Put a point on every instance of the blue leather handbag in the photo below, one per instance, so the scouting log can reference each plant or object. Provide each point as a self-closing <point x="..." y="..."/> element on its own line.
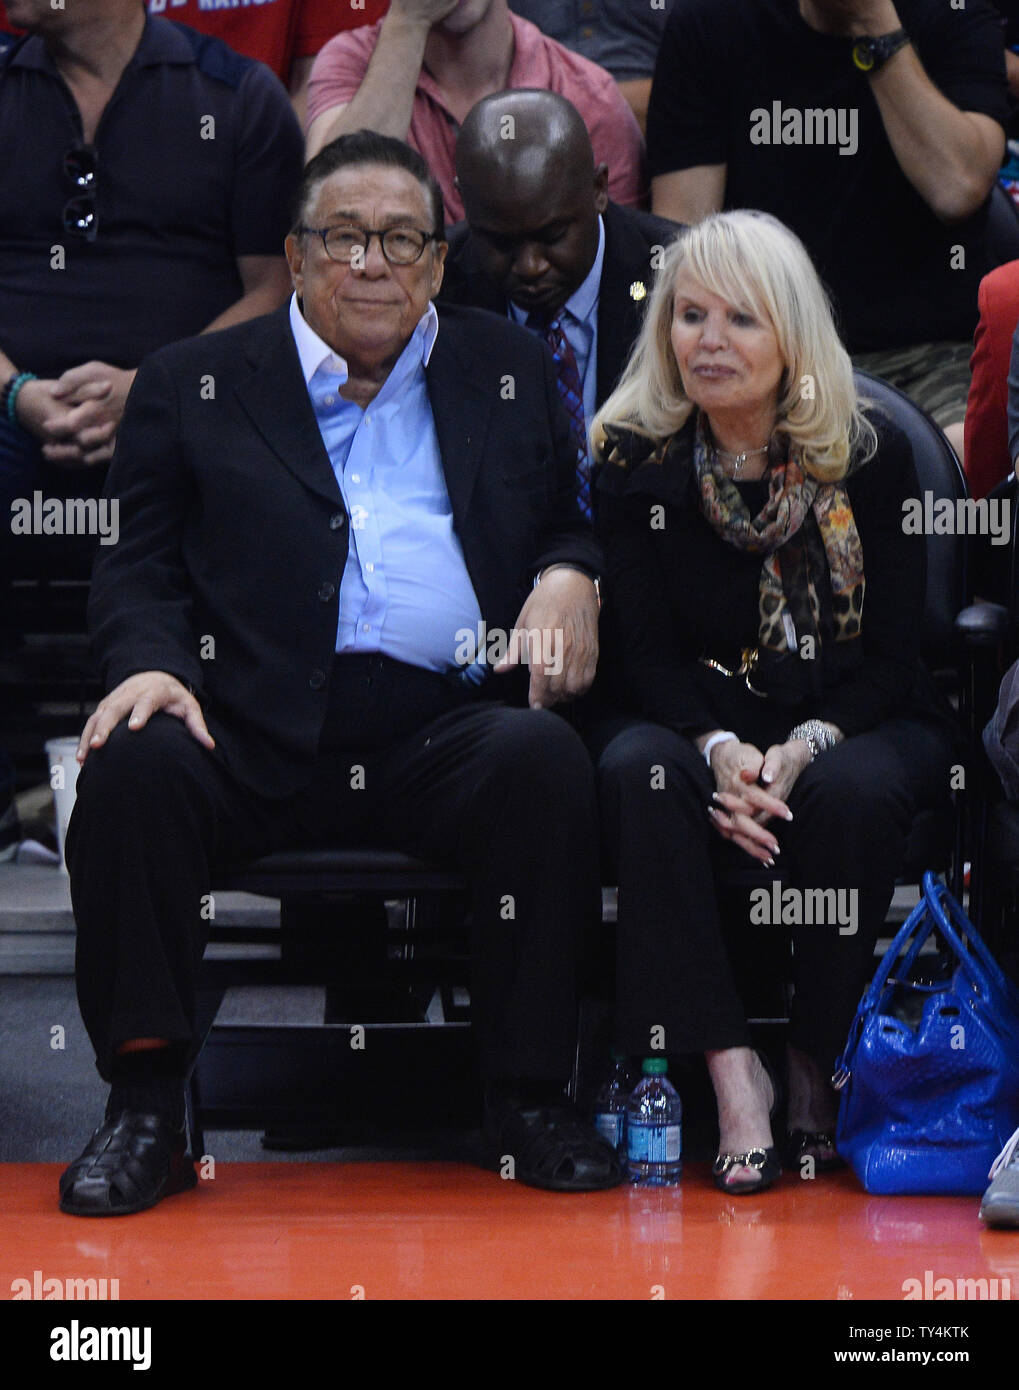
<point x="930" y="1073"/>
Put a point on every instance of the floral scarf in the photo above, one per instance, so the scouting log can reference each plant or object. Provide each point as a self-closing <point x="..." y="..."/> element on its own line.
<point x="807" y="531"/>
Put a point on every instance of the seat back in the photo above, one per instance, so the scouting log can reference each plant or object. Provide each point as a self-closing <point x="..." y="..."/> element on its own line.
<point x="939" y="472"/>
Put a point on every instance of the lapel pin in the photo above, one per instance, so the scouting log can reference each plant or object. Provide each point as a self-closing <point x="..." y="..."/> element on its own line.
<point x="638" y="290"/>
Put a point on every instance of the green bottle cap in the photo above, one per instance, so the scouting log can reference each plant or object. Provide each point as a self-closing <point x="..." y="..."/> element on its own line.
<point x="654" y="1066"/>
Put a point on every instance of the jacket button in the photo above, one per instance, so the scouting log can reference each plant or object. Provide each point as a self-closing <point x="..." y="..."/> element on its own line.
<point x="326" y="592"/>
<point x="336" y="521"/>
<point x="317" y="680"/>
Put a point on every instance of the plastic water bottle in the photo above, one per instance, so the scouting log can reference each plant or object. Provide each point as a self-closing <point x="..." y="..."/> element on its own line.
<point x="654" y="1128"/>
<point x="611" y="1101"/>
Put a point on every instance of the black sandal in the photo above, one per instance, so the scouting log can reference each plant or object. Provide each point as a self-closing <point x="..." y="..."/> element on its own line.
<point x="801" y="1141"/>
<point x="552" y="1148"/>
<point x="765" y="1161"/>
<point x="128" y="1165"/>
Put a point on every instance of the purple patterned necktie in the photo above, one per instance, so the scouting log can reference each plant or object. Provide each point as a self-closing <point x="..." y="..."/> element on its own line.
<point x="572" y="395"/>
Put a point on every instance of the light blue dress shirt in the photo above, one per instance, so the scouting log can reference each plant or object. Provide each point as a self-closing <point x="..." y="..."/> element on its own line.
<point x="405" y="590"/>
<point x="579" y="318"/>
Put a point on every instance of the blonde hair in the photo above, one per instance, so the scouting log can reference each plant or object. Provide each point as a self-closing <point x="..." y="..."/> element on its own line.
<point x="752" y="260"/>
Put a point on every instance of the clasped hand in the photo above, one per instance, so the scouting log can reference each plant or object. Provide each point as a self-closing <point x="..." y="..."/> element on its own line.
<point x="751" y="791"/>
<point x="76" y="416"/>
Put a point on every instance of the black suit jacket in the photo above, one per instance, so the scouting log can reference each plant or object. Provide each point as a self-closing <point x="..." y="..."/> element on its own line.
<point x="233" y="533"/>
<point x="630" y="236"/>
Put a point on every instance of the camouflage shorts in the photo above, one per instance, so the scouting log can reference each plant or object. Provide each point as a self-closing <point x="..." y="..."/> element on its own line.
<point x="934" y="375"/>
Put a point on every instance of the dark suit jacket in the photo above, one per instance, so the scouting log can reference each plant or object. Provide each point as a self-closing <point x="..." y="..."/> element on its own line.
<point x="232" y="525"/>
<point x="629" y="237"/>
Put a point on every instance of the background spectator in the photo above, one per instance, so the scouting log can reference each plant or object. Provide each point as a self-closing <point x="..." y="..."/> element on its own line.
<point x="883" y="173"/>
<point x="124" y="227"/>
<point x="284" y="34"/>
<point x="544" y="244"/>
<point x="416" y="75"/>
<point x="621" y="36"/>
<point x="988" y="425"/>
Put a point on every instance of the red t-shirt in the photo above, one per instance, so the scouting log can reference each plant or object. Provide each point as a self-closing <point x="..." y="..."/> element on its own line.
<point x="274" y="31"/>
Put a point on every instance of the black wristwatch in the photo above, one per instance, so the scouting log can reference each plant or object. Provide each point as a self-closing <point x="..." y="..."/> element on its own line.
<point x="870" y="53"/>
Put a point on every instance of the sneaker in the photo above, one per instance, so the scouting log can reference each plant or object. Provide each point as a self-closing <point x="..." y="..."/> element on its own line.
<point x="1000" y="1205"/>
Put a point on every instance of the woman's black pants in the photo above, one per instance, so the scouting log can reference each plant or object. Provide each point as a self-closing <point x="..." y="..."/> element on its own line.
<point x="852" y="811"/>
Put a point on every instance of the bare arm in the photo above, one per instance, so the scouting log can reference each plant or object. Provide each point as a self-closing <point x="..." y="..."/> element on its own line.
<point x="688" y="195"/>
<point x="1012" y="73"/>
<point x="300" y="71"/>
<point x="266" y="282"/>
<point x="949" y="156"/>
<point x="637" y="91"/>
<point x="76" y="417"/>
<point x="385" y="99"/>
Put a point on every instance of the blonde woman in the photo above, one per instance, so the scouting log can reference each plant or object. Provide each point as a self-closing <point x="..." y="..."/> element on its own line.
<point x="766" y="608"/>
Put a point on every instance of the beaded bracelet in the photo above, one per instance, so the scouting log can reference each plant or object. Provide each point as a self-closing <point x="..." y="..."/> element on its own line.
<point x="9" y="396"/>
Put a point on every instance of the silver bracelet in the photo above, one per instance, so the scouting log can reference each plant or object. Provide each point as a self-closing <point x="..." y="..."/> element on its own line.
<point x="816" y="735"/>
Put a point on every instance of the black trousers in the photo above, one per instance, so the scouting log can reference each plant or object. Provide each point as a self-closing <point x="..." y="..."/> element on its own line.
<point x="504" y="795"/>
<point x="852" y="811"/>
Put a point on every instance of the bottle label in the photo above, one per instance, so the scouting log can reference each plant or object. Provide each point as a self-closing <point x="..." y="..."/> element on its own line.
<point x="610" y="1126"/>
<point x="654" y="1143"/>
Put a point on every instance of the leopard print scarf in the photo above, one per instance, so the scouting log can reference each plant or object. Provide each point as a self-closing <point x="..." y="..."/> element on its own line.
<point x="807" y="531"/>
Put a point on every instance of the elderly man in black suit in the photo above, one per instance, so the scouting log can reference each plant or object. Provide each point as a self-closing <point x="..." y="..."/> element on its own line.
<point x="543" y="245"/>
<point x="316" y="507"/>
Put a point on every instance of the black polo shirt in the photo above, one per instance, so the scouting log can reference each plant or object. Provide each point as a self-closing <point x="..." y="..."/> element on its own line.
<point x="198" y="158"/>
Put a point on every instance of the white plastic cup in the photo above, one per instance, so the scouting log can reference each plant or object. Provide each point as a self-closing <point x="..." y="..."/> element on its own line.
<point x="63" y="779"/>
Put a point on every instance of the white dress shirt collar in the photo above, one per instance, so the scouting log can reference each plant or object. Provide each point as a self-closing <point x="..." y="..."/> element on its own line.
<point x="314" y="352"/>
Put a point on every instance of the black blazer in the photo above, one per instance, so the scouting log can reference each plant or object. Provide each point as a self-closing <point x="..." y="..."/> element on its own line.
<point x="233" y="528"/>
<point x="630" y="236"/>
<point x="676" y="591"/>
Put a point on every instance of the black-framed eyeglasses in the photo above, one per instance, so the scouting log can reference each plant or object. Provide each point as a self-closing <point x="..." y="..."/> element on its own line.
<point x="400" y="245"/>
<point x="81" y="166"/>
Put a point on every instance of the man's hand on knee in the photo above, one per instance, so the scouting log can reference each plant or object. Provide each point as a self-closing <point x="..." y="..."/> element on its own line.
<point x="139" y="697"/>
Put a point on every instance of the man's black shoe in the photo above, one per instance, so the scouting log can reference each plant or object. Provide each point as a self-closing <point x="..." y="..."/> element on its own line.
<point x="130" y="1163"/>
<point x="552" y="1148"/>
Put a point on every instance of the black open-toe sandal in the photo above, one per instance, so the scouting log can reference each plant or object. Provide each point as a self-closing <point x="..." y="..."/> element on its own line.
<point x="800" y="1144"/>
<point x="552" y="1148"/>
<point x="765" y="1161"/>
<point x="128" y="1165"/>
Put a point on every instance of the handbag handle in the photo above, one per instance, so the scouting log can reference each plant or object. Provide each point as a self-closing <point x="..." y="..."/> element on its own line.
<point x="929" y="913"/>
<point x="917" y="918"/>
<point x="937" y="897"/>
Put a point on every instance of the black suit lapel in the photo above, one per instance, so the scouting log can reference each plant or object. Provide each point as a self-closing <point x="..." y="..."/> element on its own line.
<point x="627" y="264"/>
<point x="276" y="398"/>
<point x="460" y="409"/>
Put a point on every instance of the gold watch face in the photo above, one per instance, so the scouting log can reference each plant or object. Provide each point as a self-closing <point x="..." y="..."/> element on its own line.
<point x="863" y="56"/>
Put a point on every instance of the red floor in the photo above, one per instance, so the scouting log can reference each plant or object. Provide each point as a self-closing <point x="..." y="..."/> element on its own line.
<point x="447" y="1231"/>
